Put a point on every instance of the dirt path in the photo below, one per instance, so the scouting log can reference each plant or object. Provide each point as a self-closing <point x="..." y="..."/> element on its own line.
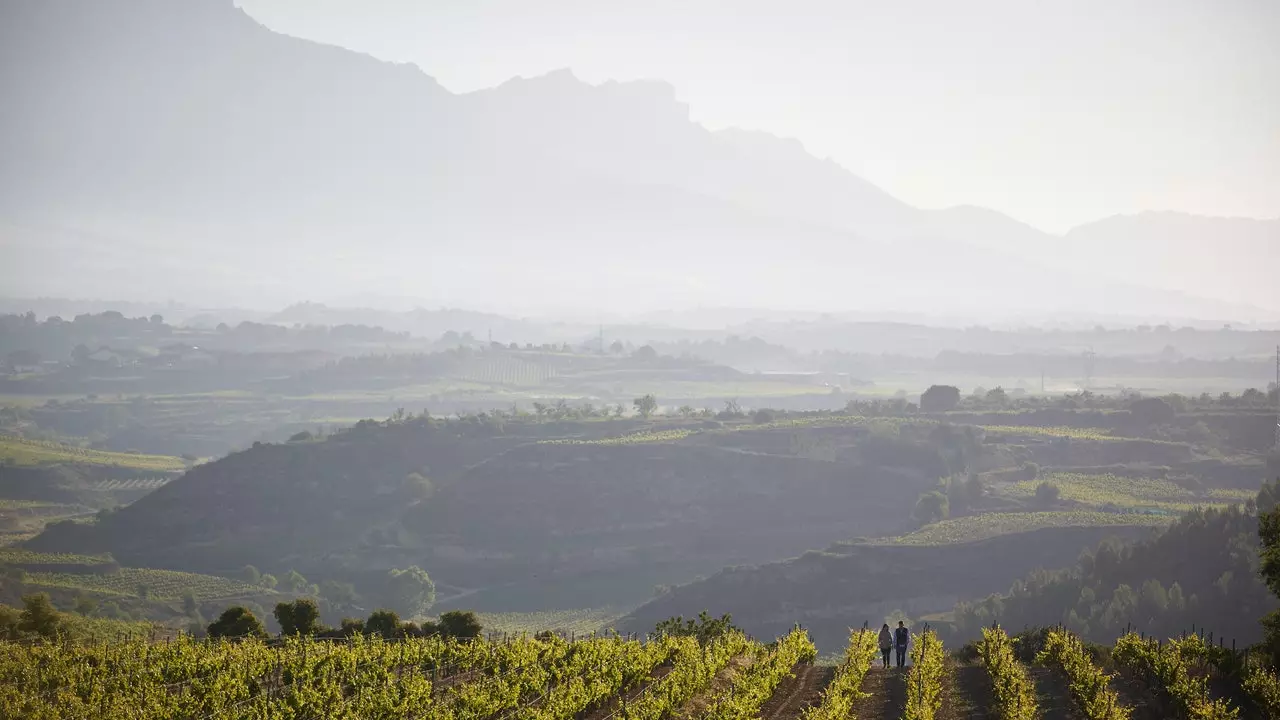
<point x="1053" y="694"/>
<point x="803" y="689"/>
<point x="966" y="692"/>
<point x="698" y="703"/>
<point x="1136" y="696"/>
<point x="885" y="694"/>
<point x="612" y="705"/>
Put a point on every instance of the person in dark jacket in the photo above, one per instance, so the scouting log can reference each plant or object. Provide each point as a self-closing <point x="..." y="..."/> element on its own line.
<point x="886" y="644"/>
<point x="901" y="639"/>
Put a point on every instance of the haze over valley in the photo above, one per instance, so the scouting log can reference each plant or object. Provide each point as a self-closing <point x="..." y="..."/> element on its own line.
<point x="329" y="388"/>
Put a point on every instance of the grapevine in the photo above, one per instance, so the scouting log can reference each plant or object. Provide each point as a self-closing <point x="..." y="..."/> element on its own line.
<point x="924" y="681"/>
<point x="1014" y="696"/>
<point x="1090" y="686"/>
<point x="752" y="687"/>
<point x="1166" y="667"/>
<point x="844" y="690"/>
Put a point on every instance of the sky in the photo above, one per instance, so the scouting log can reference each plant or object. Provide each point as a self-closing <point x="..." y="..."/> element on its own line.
<point x="1056" y="113"/>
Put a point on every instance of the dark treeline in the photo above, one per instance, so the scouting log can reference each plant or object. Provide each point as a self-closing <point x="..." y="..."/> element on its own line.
<point x="1202" y="572"/>
<point x="111" y="338"/>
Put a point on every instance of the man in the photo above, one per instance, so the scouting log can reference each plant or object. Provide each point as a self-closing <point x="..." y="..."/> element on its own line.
<point x="901" y="639"/>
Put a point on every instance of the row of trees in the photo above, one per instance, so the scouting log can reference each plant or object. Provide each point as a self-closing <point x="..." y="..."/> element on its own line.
<point x="406" y="590"/>
<point x="302" y="617"/>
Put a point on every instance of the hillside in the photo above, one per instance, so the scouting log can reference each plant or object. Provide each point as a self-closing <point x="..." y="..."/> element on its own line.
<point x="487" y="506"/>
<point x="191" y="120"/>
<point x="830" y="591"/>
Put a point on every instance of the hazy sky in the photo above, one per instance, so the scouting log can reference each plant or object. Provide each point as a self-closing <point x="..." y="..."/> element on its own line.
<point x="1057" y="113"/>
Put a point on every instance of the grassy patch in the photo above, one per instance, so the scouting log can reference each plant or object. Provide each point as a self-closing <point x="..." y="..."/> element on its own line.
<point x="1129" y="493"/>
<point x="160" y="584"/>
<point x="988" y="525"/>
<point x="21" y="451"/>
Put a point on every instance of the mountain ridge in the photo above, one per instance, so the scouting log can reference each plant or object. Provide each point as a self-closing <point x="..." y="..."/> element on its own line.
<point x="193" y="121"/>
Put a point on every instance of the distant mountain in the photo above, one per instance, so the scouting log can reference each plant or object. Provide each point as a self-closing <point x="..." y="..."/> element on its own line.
<point x="180" y="149"/>
<point x="1230" y="258"/>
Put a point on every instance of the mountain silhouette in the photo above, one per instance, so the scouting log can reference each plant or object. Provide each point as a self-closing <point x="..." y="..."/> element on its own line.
<point x="181" y="149"/>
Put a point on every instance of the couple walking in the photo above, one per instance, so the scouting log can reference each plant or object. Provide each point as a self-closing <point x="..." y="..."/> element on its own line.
<point x="897" y="640"/>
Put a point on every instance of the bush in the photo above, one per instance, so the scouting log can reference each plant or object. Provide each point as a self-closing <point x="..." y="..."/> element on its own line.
<point x="931" y="507"/>
<point x="1047" y="494"/>
<point x="763" y="416"/>
<point x="39" y="616"/>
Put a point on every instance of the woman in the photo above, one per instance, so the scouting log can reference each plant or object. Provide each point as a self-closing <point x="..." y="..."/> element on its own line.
<point x="886" y="643"/>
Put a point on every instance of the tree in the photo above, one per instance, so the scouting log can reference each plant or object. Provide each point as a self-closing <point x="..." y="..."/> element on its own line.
<point x="39" y="616"/>
<point x="763" y="416"/>
<point x="997" y="396"/>
<point x="705" y="628"/>
<point x="352" y="626"/>
<point x="268" y="581"/>
<point x="645" y="352"/>
<point x="300" y="617"/>
<point x="1269" y="535"/>
<point x="9" y="619"/>
<point x="23" y="358"/>
<point x="383" y="622"/>
<point x="940" y="398"/>
<point x="84" y="605"/>
<point x="235" y="622"/>
<point x="931" y="507"/>
<point x="645" y="405"/>
<point x="411" y="590"/>
<point x="295" y="582"/>
<point x="250" y="574"/>
<point x="339" y="593"/>
<point x="1152" y="411"/>
<point x="460" y="624"/>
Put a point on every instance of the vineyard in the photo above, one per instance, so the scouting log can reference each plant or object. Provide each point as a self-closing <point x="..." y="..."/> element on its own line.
<point x="640" y="438"/>
<point x="17" y="556"/>
<point x="550" y="677"/>
<point x="158" y="584"/>
<point x="140" y="483"/>
<point x="21" y="451"/>
<point x="971" y="528"/>
<point x="1126" y="492"/>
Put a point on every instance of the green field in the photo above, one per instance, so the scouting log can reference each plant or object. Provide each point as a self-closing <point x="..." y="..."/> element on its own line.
<point x="16" y="556"/>
<point x="21" y="451"/>
<point x="988" y="525"/>
<point x="582" y="622"/>
<point x="160" y="584"/>
<point x="639" y="438"/>
<point x="1129" y="493"/>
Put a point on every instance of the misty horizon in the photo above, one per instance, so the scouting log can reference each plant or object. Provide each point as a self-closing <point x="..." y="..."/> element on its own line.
<point x="258" y="169"/>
